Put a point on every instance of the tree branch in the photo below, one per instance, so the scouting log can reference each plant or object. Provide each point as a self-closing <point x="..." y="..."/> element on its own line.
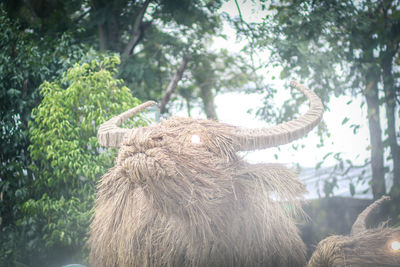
<point x="78" y="19"/>
<point x="136" y="29"/>
<point x="249" y="39"/>
<point x="173" y="83"/>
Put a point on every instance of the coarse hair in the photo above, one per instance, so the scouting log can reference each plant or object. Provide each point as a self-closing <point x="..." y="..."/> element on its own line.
<point x="175" y="200"/>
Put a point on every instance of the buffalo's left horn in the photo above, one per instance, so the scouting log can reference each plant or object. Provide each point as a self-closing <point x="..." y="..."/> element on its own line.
<point x="110" y="134"/>
<point x="360" y="224"/>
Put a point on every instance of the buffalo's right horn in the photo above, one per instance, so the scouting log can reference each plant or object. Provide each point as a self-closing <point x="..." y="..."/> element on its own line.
<point x="252" y="139"/>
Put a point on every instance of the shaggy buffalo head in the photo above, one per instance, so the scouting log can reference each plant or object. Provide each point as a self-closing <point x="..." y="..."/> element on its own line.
<point x="180" y="195"/>
<point x="364" y="247"/>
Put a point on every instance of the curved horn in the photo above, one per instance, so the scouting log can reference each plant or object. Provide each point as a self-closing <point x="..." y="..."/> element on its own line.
<point x="110" y="134"/>
<point x="251" y="139"/>
<point x="360" y="224"/>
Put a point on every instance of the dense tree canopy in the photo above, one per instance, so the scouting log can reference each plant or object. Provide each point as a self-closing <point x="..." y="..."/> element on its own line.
<point x="25" y="62"/>
<point x="67" y="161"/>
<point x="67" y="158"/>
<point x="153" y="37"/>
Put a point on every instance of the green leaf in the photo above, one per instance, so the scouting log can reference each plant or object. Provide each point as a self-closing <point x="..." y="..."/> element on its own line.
<point x="319" y="164"/>
<point x="327" y="155"/>
<point x="352" y="189"/>
<point x="13" y="92"/>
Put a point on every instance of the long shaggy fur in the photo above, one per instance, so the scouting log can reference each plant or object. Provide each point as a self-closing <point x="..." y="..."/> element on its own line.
<point x="169" y="202"/>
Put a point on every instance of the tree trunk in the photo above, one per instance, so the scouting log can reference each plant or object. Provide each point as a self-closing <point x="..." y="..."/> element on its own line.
<point x="390" y="102"/>
<point x="188" y="107"/>
<point x="375" y="132"/>
<point x="172" y="84"/>
<point x="208" y="102"/>
<point x="102" y="37"/>
<point x="101" y="27"/>
<point x="391" y="33"/>
<point x="113" y="29"/>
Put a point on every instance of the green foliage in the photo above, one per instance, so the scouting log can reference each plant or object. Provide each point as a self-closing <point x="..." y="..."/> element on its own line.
<point x="175" y="30"/>
<point x="64" y="125"/>
<point x="68" y="160"/>
<point x="56" y="229"/>
<point x="168" y="31"/>
<point x="25" y="62"/>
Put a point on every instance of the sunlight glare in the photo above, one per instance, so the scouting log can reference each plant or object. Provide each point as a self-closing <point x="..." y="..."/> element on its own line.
<point x="395" y="245"/>
<point x="195" y="139"/>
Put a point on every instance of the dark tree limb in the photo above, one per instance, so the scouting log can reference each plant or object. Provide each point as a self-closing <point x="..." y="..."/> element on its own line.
<point x="173" y="83"/>
<point x="78" y="19"/>
<point x="136" y="33"/>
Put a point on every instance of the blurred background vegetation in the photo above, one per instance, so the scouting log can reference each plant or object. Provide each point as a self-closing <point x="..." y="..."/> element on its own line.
<point x="66" y="66"/>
